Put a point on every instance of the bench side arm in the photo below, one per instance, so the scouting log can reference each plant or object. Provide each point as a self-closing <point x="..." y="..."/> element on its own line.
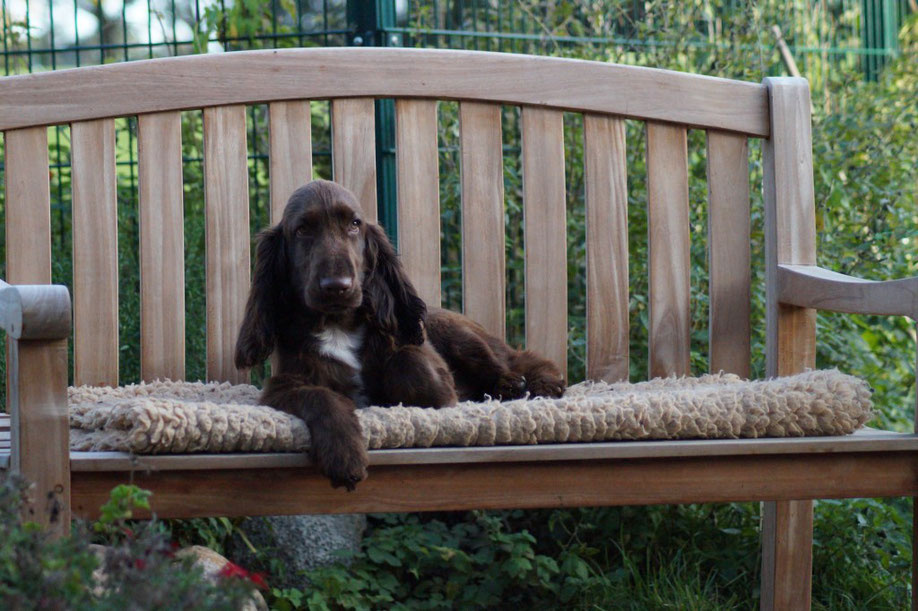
<point x="810" y="286"/>
<point x="37" y="321"/>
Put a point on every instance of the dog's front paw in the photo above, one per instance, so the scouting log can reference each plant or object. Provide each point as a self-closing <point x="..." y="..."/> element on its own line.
<point x="344" y="467"/>
<point x="546" y="386"/>
<point x="510" y="385"/>
<point x="342" y="459"/>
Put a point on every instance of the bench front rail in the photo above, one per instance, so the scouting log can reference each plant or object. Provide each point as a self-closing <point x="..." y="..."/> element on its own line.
<point x="783" y="472"/>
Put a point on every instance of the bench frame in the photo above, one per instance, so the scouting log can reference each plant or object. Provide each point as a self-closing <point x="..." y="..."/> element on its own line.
<point x="784" y="473"/>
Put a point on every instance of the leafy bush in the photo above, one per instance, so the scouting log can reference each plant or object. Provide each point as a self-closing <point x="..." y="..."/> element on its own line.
<point x="140" y="571"/>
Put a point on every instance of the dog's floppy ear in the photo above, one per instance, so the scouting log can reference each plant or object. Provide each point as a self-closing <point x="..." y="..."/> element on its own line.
<point x="257" y="335"/>
<point x="389" y="292"/>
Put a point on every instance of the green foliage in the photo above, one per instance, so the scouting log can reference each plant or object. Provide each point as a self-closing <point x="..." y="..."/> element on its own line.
<point x="696" y="556"/>
<point x="122" y="502"/>
<point x="140" y="570"/>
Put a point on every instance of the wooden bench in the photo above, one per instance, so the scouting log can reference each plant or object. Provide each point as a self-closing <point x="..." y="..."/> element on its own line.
<point x="785" y="473"/>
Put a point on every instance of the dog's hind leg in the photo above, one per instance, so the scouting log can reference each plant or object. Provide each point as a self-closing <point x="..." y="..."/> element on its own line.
<point x="338" y="448"/>
<point x="417" y="376"/>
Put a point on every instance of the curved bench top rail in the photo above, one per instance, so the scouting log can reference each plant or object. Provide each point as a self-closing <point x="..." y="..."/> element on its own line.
<point x="248" y="77"/>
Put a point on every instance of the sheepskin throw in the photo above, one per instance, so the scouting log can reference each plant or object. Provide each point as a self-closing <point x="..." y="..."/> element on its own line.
<point x="181" y="417"/>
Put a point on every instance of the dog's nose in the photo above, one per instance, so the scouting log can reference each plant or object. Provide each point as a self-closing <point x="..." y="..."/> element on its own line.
<point x="336" y="285"/>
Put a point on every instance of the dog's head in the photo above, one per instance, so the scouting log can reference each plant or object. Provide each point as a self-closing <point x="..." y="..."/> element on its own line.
<point x="325" y="260"/>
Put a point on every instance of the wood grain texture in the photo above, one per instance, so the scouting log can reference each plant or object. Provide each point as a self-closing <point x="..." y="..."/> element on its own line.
<point x="790" y="223"/>
<point x="226" y="196"/>
<point x="417" y="161"/>
<point x="790" y="238"/>
<point x="729" y="258"/>
<point x="445" y="487"/>
<point x="606" y="182"/>
<point x="291" y="74"/>
<point x="787" y="562"/>
<point x="669" y="269"/>
<point x="35" y="311"/>
<point x="545" y="231"/>
<point x="810" y="286"/>
<point x="863" y="441"/>
<point x="162" y="246"/>
<point x="354" y="150"/>
<point x="95" y="253"/>
<point x="28" y="206"/>
<point x="483" y="271"/>
<point x="41" y="430"/>
<point x="290" y="134"/>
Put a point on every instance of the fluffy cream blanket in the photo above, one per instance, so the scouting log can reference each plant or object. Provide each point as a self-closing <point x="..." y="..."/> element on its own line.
<point x="181" y="417"/>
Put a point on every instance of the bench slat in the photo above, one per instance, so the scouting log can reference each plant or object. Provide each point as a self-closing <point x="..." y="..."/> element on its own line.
<point x="606" y="180"/>
<point x="95" y="253"/>
<point x="162" y="246"/>
<point x="668" y="227"/>
<point x="354" y="150"/>
<point x="729" y="252"/>
<point x="226" y="196"/>
<point x="865" y="440"/>
<point x="432" y="487"/>
<point x="545" y="229"/>
<point x="419" y="195"/>
<point x="483" y="272"/>
<point x="28" y="206"/>
<point x="290" y="135"/>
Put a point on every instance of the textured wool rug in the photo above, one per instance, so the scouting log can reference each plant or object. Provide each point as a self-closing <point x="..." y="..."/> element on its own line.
<point x="183" y="417"/>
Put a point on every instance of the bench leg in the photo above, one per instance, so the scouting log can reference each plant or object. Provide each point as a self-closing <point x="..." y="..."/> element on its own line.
<point x="40" y="429"/>
<point x="787" y="555"/>
<point x="915" y="554"/>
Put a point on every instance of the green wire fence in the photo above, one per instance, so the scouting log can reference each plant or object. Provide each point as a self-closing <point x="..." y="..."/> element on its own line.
<point x="828" y="39"/>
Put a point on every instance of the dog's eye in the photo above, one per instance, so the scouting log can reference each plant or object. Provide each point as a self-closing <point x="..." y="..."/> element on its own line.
<point x="301" y="231"/>
<point x="355" y="225"/>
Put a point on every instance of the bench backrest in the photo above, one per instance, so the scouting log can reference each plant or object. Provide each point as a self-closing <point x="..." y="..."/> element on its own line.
<point x="156" y="91"/>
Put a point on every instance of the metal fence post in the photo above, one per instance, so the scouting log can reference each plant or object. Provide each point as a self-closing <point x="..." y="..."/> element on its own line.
<point x="372" y="21"/>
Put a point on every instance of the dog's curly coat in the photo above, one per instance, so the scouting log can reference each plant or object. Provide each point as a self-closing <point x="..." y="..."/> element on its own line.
<point x="330" y="296"/>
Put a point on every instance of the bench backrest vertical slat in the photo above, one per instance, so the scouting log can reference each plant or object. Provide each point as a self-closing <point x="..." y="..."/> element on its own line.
<point x="354" y="150"/>
<point x="729" y="253"/>
<point x="226" y="197"/>
<point x="545" y="233"/>
<point x="95" y="253"/>
<point x="418" y="170"/>
<point x="162" y="246"/>
<point x="481" y="166"/>
<point x="290" y="135"/>
<point x="606" y="181"/>
<point x="668" y="229"/>
<point x="28" y="206"/>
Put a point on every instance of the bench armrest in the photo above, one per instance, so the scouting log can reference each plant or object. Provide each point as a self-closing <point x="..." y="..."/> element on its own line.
<point x="810" y="286"/>
<point x="35" y="311"/>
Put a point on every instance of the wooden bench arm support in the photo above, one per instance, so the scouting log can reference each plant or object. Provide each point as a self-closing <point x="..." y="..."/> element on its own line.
<point x="35" y="312"/>
<point x="37" y="320"/>
<point x="810" y="286"/>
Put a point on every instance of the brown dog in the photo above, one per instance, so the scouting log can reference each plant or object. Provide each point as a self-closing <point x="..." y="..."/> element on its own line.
<point x="330" y="296"/>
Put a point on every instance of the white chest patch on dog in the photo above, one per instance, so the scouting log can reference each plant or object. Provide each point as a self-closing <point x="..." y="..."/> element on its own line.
<point x="342" y="345"/>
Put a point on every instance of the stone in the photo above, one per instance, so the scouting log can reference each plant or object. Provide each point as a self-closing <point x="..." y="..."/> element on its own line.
<point x="298" y="543"/>
<point x="211" y="563"/>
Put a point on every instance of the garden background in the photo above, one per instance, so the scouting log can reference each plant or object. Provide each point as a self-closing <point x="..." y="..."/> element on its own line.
<point x="861" y="58"/>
